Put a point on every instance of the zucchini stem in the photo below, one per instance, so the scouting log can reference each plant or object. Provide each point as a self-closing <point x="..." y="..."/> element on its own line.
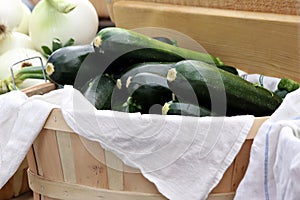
<point x="172" y="75"/>
<point x="50" y="69"/>
<point x="97" y="41"/>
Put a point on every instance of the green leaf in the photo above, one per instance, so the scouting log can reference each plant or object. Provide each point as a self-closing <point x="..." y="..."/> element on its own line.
<point x="47" y="51"/>
<point x="56" y="44"/>
<point x="70" y="42"/>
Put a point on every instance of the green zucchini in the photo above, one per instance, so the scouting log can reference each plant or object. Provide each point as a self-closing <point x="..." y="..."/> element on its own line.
<point x="129" y="106"/>
<point x="186" y="109"/>
<point x="63" y="64"/>
<point x="121" y="94"/>
<point x="281" y="93"/>
<point x="166" y="40"/>
<point x="158" y="68"/>
<point x="124" y="48"/>
<point x="288" y="85"/>
<point x="220" y="91"/>
<point x="147" y="90"/>
<point x="98" y="91"/>
<point x="136" y="40"/>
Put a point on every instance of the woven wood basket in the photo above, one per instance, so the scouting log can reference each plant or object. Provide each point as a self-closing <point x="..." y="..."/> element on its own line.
<point x="62" y="167"/>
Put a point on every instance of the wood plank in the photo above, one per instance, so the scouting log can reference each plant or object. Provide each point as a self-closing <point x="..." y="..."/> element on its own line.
<point x="258" y="121"/>
<point x="225" y="184"/>
<point x="20" y="179"/>
<point x="135" y="181"/>
<point x="241" y="164"/>
<point x="90" y="168"/>
<point x="63" y="190"/>
<point x="39" y="89"/>
<point x="47" y="156"/>
<point x="254" y="42"/>
<point x="66" y="156"/>
<point x="114" y="171"/>
<point x="221" y="196"/>
<point x="56" y="121"/>
<point x="287" y="7"/>
<point x="101" y="8"/>
<point x="32" y="165"/>
<point x="30" y="157"/>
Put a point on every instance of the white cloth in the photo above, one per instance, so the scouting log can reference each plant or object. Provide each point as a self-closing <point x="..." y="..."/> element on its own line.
<point x="267" y="82"/>
<point x="21" y="119"/>
<point x="273" y="171"/>
<point x="185" y="157"/>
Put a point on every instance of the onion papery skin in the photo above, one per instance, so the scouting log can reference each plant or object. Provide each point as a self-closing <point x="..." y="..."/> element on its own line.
<point x="47" y="23"/>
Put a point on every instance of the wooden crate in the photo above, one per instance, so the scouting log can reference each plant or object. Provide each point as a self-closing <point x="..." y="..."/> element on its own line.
<point x="18" y="183"/>
<point x="61" y="167"/>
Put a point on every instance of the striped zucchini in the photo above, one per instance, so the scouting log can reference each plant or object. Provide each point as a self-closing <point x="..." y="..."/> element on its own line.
<point x="221" y="92"/>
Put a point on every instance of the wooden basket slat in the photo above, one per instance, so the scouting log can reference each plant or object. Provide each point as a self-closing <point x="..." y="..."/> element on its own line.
<point x="46" y="144"/>
<point x="114" y="175"/>
<point x="66" y="156"/>
<point x="88" y="170"/>
<point x="136" y="182"/>
<point x="226" y="184"/>
<point x="241" y="164"/>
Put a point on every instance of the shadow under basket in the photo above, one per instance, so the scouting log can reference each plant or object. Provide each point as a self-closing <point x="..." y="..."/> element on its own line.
<point x="64" y="165"/>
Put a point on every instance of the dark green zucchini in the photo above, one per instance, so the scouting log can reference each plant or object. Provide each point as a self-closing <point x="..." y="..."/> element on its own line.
<point x="185" y="109"/>
<point x="220" y="91"/>
<point x="98" y="91"/>
<point x="123" y="48"/>
<point x="158" y="68"/>
<point x="128" y="106"/>
<point x="148" y="90"/>
<point x="136" y="40"/>
<point x="121" y="94"/>
<point x="281" y="93"/>
<point x="63" y="64"/>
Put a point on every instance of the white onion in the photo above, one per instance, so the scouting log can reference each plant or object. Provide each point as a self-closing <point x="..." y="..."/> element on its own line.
<point x="15" y="55"/>
<point x="10" y="15"/>
<point x="23" y="26"/>
<point x="47" y="23"/>
<point x="15" y="40"/>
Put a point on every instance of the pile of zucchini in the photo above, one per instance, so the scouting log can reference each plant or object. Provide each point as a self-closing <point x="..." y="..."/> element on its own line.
<point x="126" y="71"/>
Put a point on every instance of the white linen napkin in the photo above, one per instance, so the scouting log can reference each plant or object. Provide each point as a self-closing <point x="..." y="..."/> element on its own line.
<point x="185" y="157"/>
<point x="274" y="156"/>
